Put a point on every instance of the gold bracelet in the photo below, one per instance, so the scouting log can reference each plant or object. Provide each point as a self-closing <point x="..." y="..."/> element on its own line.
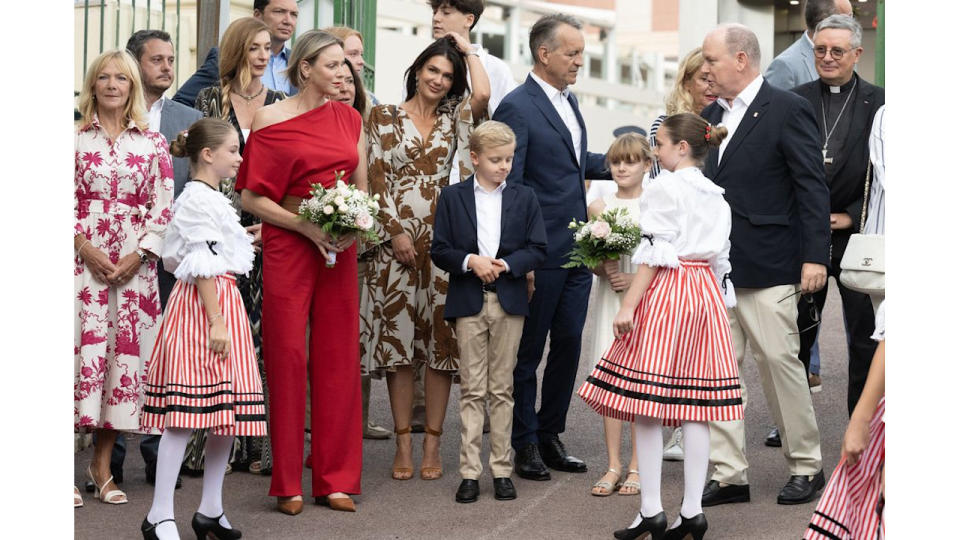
<point x="215" y="317"/>
<point x="85" y="242"/>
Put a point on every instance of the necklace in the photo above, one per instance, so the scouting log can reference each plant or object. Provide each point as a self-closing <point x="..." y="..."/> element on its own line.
<point x="248" y="98"/>
<point x="823" y="110"/>
<point x="202" y="182"/>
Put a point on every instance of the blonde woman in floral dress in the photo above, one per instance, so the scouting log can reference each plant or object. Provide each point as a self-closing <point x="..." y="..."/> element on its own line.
<point x="412" y="148"/>
<point x="123" y="182"/>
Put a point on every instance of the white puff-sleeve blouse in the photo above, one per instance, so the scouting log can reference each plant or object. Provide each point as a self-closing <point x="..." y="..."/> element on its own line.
<point x="683" y="215"/>
<point x="205" y="238"/>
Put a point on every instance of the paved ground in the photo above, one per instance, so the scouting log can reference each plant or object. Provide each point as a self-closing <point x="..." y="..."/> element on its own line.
<point x="561" y="508"/>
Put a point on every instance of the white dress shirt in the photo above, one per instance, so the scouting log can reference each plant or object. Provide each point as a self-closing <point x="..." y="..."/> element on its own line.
<point x="561" y="102"/>
<point x="733" y="112"/>
<point x="489" y="205"/>
<point x="153" y="115"/>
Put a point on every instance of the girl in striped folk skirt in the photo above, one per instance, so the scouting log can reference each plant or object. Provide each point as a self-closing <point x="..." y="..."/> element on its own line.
<point x="672" y="361"/>
<point x="203" y="370"/>
<point x="852" y="505"/>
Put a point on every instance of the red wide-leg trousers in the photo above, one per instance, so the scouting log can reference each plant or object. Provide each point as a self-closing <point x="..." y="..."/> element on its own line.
<point x="298" y="289"/>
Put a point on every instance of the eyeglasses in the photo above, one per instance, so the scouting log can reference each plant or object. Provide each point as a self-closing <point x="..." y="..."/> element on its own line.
<point x="811" y="306"/>
<point x="835" y="52"/>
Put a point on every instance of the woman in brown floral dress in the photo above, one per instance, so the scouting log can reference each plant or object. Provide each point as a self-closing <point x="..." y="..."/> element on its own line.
<point x="412" y="148"/>
<point x="244" y="52"/>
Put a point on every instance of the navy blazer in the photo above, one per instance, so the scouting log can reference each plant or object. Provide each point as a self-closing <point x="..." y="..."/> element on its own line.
<point x="523" y="245"/>
<point x="546" y="161"/>
<point x="772" y="171"/>
<point x="208" y="74"/>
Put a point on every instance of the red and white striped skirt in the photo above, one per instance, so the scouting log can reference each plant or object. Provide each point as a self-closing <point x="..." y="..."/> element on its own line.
<point x="678" y="362"/>
<point x="851" y="506"/>
<point x="190" y="386"/>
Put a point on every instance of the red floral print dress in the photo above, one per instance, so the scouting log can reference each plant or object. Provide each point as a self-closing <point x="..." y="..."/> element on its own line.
<point x="123" y="195"/>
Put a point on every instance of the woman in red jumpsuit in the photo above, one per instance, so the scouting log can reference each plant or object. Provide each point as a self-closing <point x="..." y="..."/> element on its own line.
<point x="303" y="140"/>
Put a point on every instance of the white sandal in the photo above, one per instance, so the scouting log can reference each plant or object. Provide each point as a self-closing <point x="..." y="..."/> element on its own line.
<point x="77" y="499"/>
<point x="607" y="487"/>
<point x="630" y="483"/>
<point x="107" y="497"/>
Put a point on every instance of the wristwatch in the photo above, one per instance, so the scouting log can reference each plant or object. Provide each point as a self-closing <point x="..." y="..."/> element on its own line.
<point x="143" y="255"/>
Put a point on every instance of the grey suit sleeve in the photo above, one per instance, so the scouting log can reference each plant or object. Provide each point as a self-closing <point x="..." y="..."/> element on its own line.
<point x="780" y="75"/>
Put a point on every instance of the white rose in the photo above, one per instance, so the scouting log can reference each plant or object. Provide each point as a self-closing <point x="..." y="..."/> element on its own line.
<point x="339" y="201"/>
<point x="328" y="209"/>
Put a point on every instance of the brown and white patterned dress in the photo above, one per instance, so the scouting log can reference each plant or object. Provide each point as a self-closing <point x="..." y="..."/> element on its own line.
<point x="401" y="308"/>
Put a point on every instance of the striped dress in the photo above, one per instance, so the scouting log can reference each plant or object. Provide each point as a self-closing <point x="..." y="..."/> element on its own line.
<point x="189" y="386"/>
<point x="852" y="504"/>
<point x="678" y="362"/>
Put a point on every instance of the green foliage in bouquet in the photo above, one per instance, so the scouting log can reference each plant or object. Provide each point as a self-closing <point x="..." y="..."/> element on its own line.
<point x="342" y="209"/>
<point x="607" y="236"/>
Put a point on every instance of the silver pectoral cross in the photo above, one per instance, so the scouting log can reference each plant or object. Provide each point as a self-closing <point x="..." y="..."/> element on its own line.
<point x="827" y="160"/>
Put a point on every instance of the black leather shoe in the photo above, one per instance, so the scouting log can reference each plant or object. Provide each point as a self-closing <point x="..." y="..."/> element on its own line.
<point x="529" y="465"/>
<point x="503" y="489"/>
<point x="773" y="438"/>
<point x="655" y="525"/>
<point x="714" y="494"/>
<point x="468" y="491"/>
<point x="555" y="455"/>
<point x="801" y="489"/>
<point x="204" y="526"/>
<point x="694" y="527"/>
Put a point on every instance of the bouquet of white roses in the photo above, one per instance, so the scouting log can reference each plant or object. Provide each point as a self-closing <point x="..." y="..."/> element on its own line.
<point x="607" y="236"/>
<point x="341" y="210"/>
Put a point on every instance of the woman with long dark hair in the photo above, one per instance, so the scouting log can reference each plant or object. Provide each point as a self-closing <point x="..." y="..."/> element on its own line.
<point x="412" y="149"/>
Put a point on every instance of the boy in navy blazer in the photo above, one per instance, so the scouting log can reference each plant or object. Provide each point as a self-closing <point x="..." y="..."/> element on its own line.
<point x="487" y="235"/>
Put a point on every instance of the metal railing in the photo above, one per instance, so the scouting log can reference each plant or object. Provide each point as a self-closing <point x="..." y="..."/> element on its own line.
<point x="171" y="15"/>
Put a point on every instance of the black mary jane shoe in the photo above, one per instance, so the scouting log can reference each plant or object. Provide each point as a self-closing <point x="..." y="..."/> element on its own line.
<point x="204" y="526"/>
<point x="656" y="526"/>
<point x="694" y="528"/>
<point x="149" y="530"/>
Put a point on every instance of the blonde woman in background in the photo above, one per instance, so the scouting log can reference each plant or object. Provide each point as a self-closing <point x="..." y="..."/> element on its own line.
<point x="691" y="94"/>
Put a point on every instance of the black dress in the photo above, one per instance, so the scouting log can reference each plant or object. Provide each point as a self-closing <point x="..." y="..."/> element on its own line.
<point x="247" y="450"/>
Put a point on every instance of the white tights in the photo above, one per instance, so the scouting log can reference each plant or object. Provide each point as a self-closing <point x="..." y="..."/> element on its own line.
<point x="173" y="443"/>
<point x="648" y="440"/>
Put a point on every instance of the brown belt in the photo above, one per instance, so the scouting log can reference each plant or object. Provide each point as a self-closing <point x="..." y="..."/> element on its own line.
<point x="291" y="203"/>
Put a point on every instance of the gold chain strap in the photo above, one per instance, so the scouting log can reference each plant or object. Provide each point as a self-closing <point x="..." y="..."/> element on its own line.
<point x="866" y="197"/>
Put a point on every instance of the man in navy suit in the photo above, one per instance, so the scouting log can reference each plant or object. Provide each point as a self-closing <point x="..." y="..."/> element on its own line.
<point x="551" y="158"/>
<point x="487" y="234"/>
<point x="772" y="170"/>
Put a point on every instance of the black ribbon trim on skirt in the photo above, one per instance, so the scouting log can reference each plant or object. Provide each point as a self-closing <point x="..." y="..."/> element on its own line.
<point x="249" y="418"/>
<point x="825" y="532"/>
<point x="199" y="410"/>
<point x="188" y="385"/>
<point x="831" y="520"/>
<point x="667" y="385"/>
<point x="668" y="376"/>
<point x="199" y="396"/>
<point x="661" y="399"/>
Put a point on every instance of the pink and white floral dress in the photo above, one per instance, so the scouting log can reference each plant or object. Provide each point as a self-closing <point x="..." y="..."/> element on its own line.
<point x="123" y="197"/>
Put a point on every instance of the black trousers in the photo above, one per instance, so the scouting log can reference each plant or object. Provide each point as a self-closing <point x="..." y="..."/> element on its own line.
<point x="558" y="308"/>
<point x="858" y="318"/>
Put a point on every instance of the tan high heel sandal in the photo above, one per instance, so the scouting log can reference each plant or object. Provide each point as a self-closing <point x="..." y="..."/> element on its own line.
<point x="430" y="473"/>
<point x="402" y="473"/>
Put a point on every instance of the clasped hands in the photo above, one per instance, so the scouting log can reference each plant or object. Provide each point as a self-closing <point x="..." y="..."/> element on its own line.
<point x="487" y="269"/>
<point x="611" y="269"/>
<point x="326" y="242"/>
<point x="105" y="271"/>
